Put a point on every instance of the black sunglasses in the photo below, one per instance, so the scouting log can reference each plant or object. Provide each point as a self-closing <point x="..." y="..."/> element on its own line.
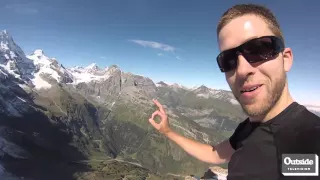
<point x="255" y="50"/>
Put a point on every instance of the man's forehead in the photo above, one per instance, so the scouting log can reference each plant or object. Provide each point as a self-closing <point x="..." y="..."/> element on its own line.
<point x="242" y="29"/>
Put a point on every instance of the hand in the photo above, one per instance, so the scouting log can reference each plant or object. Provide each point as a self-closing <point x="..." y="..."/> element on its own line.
<point x="163" y="126"/>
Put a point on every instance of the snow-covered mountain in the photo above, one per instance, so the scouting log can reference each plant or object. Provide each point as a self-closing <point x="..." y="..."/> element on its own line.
<point x="41" y="72"/>
<point x="13" y="61"/>
<point x="48" y="70"/>
<point x="90" y="73"/>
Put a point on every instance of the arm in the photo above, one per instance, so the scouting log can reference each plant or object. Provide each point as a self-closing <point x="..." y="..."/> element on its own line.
<point x="218" y="154"/>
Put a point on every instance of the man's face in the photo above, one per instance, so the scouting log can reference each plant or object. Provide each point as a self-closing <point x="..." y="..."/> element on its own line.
<point x="271" y="75"/>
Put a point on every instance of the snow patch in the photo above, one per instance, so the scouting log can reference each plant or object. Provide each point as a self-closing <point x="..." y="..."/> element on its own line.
<point x="38" y="53"/>
<point x="6" y="56"/>
<point x="40" y="83"/>
<point x="21" y="99"/>
<point x="207" y="95"/>
<point x="88" y="74"/>
<point x="87" y="77"/>
<point x="7" y="67"/>
<point x="4" y="46"/>
<point x="233" y="101"/>
<point x="12" y="55"/>
<point x="112" y="104"/>
<point x="23" y="86"/>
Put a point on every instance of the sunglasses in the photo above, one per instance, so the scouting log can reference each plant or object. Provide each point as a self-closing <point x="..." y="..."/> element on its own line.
<point x="255" y="50"/>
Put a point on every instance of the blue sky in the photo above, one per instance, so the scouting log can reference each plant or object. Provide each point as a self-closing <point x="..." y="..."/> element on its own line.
<point x="185" y="46"/>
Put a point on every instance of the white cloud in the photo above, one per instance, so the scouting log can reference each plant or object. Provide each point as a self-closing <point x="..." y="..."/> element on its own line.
<point x="160" y="54"/>
<point x="178" y="57"/>
<point x="103" y="57"/>
<point x="155" y="45"/>
<point x="22" y="8"/>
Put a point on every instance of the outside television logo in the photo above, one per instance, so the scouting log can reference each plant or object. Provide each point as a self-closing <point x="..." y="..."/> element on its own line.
<point x="300" y="165"/>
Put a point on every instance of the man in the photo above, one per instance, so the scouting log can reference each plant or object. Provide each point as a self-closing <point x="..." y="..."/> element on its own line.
<point x="255" y="62"/>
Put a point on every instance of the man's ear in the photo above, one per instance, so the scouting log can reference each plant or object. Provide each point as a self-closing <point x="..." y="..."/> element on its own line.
<point x="287" y="59"/>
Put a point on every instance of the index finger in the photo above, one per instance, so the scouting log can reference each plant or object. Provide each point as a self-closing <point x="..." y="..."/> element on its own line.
<point x="159" y="106"/>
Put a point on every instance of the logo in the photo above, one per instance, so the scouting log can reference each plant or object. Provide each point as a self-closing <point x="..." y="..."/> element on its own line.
<point x="300" y="165"/>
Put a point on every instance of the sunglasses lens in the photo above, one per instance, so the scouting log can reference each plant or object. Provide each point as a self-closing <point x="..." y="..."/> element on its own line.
<point x="261" y="49"/>
<point x="255" y="50"/>
<point x="227" y="60"/>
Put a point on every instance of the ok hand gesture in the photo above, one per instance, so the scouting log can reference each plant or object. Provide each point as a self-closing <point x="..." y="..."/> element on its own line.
<point x="163" y="125"/>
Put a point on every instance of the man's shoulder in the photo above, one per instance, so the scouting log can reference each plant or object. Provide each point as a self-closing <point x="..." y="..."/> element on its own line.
<point x="298" y="131"/>
<point x="300" y="117"/>
<point x="305" y="118"/>
<point x="304" y="123"/>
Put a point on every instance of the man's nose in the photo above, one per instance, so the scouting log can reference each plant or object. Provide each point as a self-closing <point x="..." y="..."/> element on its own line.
<point x="244" y="68"/>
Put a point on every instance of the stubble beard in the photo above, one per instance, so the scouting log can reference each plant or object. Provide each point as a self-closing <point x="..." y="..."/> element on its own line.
<point x="265" y="105"/>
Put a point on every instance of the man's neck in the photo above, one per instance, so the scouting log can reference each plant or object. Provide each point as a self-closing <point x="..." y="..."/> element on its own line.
<point x="284" y="101"/>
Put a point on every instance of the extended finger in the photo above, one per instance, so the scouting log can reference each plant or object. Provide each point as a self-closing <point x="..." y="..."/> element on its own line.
<point x="159" y="106"/>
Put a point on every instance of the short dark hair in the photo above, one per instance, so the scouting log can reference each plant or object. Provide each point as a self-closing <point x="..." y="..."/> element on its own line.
<point x="255" y="9"/>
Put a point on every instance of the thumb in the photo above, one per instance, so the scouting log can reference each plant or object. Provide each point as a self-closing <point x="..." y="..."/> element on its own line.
<point x="153" y="123"/>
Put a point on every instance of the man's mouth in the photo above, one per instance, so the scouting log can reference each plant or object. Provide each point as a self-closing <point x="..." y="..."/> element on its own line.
<point x="250" y="88"/>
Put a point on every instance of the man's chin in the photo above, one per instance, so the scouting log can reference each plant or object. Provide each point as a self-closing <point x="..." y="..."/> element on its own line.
<point x="253" y="108"/>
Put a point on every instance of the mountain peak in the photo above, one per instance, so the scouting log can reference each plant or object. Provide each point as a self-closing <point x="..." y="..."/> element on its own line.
<point x="6" y="40"/>
<point x="161" y="84"/>
<point x="92" y="66"/>
<point x="114" y="66"/>
<point x="4" y="32"/>
<point x="38" y="52"/>
<point x="203" y="87"/>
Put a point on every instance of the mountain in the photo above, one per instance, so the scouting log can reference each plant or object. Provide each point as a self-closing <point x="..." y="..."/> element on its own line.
<point x="92" y="123"/>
